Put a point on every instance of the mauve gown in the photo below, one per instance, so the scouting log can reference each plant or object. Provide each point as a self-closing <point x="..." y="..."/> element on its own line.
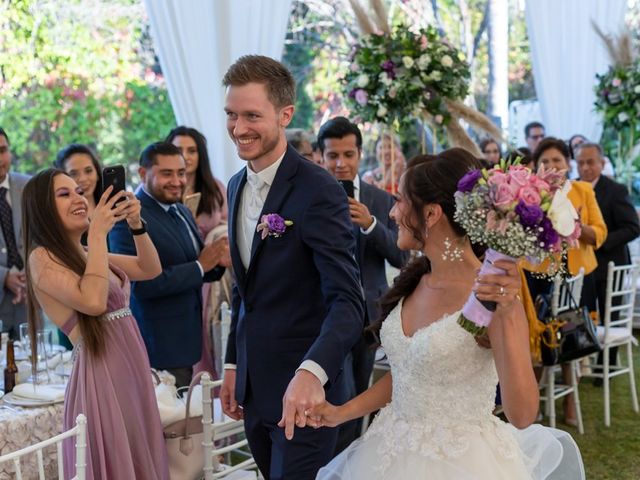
<point x="115" y="392"/>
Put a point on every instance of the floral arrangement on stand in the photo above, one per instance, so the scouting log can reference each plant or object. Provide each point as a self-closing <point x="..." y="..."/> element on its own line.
<point x="618" y="100"/>
<point x="398" y="75"/>
<point x="516" y="214"/>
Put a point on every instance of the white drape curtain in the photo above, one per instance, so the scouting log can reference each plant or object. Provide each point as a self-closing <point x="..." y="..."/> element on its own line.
<point x="196" y="42"/>
<point x="566" y="54"/>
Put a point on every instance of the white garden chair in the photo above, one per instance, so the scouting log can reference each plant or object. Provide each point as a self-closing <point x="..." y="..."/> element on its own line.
<point x="620" y="298"/>
<point x="566" y="295"/>
<point x="79" y="431"/>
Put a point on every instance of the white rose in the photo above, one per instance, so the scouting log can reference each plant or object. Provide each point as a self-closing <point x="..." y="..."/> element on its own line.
<point x="447" y="61"/>
<point x="407" y="61"/>
<point x="392" y="93"/>
<point x="435" y="75"/>
<point x="363" y="80"/>
<point x="623" y="117"/>
<point x="382" y="111"/>
<point x="561" y="212"/>
<point x="384" y="79"/>
<point x="424" y="61"/>
<point x="637" y="89"/>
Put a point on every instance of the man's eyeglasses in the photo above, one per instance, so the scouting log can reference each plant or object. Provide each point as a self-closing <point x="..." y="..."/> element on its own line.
<point x="537" y="137"/>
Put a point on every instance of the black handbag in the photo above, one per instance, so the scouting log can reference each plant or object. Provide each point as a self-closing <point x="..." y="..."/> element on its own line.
<point x="568" y="336"/>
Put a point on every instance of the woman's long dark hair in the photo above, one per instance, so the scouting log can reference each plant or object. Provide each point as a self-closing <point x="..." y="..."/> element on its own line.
<point x="428" y="179"/>
<point x="42" y="227"/>
<point x="212" y="197"/>
<point x="74" y="148"/>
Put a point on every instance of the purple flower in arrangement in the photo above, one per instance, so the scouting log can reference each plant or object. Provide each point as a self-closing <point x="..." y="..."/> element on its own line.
<point x="548" y="235"/>
<point x="272" y="225"/>
<point x="466" y="183"/>
<point x="387" y="66"/>
<point x="361" y="97"/>
<point x="530" y="215"/>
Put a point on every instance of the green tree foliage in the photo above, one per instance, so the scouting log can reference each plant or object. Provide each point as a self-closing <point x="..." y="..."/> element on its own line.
<point x="79" y="71"/>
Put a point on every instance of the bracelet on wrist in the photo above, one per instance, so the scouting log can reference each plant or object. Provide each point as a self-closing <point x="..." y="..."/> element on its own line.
<point x="139" y="231"/>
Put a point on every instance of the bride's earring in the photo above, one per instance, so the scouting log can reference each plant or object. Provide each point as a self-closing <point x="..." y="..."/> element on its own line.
<point x="451" y="253"/>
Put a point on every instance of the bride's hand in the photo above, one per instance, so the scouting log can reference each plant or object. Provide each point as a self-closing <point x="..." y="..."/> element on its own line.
<point x="326" y="415"/>
<point x="504" y="290"/>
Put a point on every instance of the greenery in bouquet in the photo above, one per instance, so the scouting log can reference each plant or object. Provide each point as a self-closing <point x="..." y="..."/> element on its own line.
<point x="403" y="75"/>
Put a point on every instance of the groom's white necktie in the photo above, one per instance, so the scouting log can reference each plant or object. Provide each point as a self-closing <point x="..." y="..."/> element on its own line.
<point x="252" y="209"/>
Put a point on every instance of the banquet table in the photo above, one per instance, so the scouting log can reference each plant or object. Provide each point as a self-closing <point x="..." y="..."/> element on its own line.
<point x="21" y="427"/>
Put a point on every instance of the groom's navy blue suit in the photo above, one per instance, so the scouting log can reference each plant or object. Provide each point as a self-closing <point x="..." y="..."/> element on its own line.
<point x="299" y="299"/>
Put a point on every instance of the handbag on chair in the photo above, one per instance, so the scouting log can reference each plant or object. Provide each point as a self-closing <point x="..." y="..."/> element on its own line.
<point x="183" y="440"/>
<point x="567" y="336"/>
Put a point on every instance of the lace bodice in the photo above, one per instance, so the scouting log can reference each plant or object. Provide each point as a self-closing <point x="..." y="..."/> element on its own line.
<point x="440" y="373"/>
<point x="444" y="388"/>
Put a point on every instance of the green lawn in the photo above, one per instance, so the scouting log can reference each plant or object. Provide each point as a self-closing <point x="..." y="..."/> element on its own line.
<point x="609" y="453"/>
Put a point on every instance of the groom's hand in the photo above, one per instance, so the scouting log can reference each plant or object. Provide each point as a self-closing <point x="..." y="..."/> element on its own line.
<point x="303" y="393"/>
<point x="228" y="395"/>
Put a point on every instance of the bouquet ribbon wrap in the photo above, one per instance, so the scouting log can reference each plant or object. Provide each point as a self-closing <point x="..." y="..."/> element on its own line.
<point x="476" y="315"/>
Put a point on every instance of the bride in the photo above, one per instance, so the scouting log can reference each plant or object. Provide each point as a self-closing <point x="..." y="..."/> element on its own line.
<point x="436" y="403"/>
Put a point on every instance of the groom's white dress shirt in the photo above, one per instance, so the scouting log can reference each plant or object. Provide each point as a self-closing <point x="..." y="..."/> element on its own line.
<point x="252" y="201"/>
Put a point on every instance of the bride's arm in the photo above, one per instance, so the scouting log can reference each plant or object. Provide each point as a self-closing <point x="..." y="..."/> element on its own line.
<point x="509" y="336"/>
<point x="368" y="401"/>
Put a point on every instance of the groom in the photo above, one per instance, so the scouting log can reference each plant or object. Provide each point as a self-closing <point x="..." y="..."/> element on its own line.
<point x="297" y="303"/>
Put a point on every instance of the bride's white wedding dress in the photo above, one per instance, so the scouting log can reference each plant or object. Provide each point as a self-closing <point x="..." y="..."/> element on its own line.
<point x="439" y="424"/>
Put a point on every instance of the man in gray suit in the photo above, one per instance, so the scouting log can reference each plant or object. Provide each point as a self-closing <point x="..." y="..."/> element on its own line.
<point x="12" y="276"/>
<point x="340" y="142"/>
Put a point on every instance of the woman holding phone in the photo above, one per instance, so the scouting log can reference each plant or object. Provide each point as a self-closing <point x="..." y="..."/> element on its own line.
<point x="85" y="292"/>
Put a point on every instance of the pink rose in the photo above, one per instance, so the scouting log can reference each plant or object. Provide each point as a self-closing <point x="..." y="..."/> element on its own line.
<point x="519" y="175"/>
<point x="529" y="195"/>
<point x="502" y="196"/>
<point x="497" y="178"/>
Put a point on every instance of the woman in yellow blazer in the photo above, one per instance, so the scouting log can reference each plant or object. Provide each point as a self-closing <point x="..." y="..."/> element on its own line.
<point x="554" y="153"/>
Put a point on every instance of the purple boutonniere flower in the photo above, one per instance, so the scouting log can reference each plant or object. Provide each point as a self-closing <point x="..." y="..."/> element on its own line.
<point x="272" y="225"/>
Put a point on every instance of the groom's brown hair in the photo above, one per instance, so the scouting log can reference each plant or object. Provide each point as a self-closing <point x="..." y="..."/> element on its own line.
<point x="280" y="85"/>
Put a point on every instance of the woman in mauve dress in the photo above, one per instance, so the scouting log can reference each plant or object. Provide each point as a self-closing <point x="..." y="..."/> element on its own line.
<point x="85" y="292"/>
<point x="212" y="211"/>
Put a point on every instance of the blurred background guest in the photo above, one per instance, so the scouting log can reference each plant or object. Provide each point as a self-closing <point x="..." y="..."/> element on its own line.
<point x="317" y="154"/>
<point x="388" y="153"/>
<point x="574" y="142"/>
<point x="299" y="140"/>
<point x="211" y="212"/>
<point x="533" y="134"/>
<point x="81" y="163"/>
<point x="491" y="150"/>
<point x="620" y="217"/>
<point x="12" y="276"/>
<point x="524" y="154"/>
<point x="554" y="153"/>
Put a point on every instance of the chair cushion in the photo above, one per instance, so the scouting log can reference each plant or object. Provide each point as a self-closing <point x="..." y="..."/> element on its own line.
<point x="616" y="334"/>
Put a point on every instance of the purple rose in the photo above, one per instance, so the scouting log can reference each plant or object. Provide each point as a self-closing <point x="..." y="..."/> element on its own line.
<point x="387" y="66"/>
<point x="469" y="180"/>
<point x="275" y="223"/>
<point x="530" y="215"/>
<point x="548" y="235"/>
<point x="361" y="97"/>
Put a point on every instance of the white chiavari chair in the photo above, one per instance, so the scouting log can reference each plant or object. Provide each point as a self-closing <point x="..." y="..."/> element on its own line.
<point x="616" y="330"/>
<point x="79" y="432"/>
<point x="222" y="437"/>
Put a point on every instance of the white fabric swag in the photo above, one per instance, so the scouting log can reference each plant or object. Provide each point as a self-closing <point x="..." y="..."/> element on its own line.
<point x="566" y="54"/>
<point x="196" y="42"/>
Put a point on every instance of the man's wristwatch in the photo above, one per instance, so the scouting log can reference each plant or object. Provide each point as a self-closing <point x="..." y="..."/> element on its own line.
<point x="139" y="231"/>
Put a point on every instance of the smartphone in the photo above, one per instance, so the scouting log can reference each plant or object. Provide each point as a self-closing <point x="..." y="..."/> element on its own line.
<point x="115" y="177"/>
<point x="348" y="187"/>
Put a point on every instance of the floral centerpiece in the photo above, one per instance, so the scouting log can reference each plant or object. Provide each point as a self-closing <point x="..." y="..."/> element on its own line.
<point x="401" y="75"/>
<point x="516" y="214"/>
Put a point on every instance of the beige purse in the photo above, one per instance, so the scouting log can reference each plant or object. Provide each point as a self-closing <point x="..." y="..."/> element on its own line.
<point x="184" y="443"/>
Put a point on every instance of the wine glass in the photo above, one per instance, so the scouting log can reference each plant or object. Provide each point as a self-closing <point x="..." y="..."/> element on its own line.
<point x="25" y="342"/>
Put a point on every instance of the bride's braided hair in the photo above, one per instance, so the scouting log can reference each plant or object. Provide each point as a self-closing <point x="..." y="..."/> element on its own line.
<point x="428" y="179"/>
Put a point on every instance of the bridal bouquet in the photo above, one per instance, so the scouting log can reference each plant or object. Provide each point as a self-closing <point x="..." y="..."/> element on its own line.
<point x="516" y="214"/>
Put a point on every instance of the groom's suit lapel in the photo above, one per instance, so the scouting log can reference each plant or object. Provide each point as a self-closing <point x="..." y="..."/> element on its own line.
<point x="238" y="267"/>
<point x="278" y="193"/>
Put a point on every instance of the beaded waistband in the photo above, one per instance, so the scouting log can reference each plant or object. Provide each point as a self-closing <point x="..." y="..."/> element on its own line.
<point x="121" y="313"/>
